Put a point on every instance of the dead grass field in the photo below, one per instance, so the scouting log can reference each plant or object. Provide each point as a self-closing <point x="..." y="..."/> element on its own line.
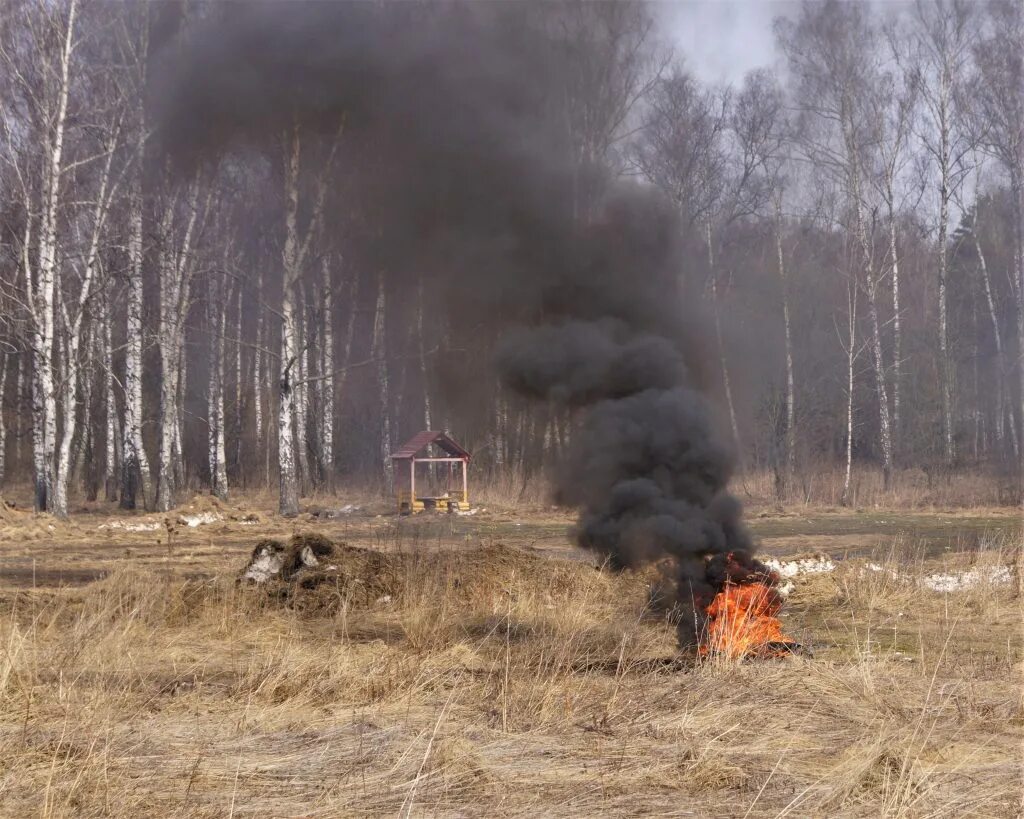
<point x="492" y="670"/>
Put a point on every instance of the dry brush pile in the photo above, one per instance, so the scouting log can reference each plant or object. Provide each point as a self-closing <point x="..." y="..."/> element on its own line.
<point x="495" y="681"/>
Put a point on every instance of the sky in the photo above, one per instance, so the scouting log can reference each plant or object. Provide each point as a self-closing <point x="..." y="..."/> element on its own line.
<point x="721" y="40"/>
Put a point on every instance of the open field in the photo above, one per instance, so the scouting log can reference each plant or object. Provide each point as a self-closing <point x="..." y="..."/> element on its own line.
<point x="485" y="667"/>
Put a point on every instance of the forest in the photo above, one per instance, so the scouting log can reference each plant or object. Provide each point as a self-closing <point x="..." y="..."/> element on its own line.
<point x="201" y="290"/>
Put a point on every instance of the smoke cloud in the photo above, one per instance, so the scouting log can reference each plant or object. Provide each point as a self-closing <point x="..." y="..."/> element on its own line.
<point x="474" y="183"/>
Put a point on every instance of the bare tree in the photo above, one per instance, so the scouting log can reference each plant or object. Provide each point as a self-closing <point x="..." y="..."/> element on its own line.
<point x="216" y="319"/>
<point x="836" y="68"/>
<point x="943" y="36"/>
<point x="999" y="99"/>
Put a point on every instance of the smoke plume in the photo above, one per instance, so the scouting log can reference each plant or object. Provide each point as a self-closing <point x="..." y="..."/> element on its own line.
<point x="475" y="184"/>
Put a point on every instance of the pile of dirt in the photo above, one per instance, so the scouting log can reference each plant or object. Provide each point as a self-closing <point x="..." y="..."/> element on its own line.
<point x="313" y="574"/>
<point x="311" y="571"/>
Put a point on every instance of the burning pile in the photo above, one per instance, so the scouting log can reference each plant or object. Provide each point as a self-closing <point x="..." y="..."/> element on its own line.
<point x="742" y="618"/>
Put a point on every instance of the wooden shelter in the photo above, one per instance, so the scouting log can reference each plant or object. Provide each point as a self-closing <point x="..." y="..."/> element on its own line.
<point x="441" y="488"/>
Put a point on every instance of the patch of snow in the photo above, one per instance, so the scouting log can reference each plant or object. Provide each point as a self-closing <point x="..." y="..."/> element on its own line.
<point x="349" y="508"/>
<point x="789" y="569"/>
<point x="467" y="512"/>
<point x="264" y="565"/>
<point x="951" y="581"/>
<point x="199" y="519"/>
<point x="955" y="581"/>
<point x="795" y="568"/>
<point x="130" y="527"/>
<point x="308" y="558"/>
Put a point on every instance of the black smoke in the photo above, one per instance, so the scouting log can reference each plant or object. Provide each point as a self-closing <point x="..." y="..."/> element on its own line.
<point x="457" y="110"/>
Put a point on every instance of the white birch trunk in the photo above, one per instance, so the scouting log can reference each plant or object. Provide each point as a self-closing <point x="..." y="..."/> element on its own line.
<point x="135" y="474"/>
<point x="787" y="326"/>
<point x="851" y="358"/>
<point x="945" y="365"/>
<point x="110" y="408"/>
<point x="19" y="404"/>
<point x="215" y="396"/>
<point x="871" y="287"/>
<point x="289" y="490"/>
<point x="294" y="252"/>
<point x="72" y="331"/>
<point x="41" y="387"/>
<point x="897" y="338"/>
<point x="43" y="290"/>
<point x="232" y="400"/>
<point x="59" y="507"/>
<point x="170" y="297"/>
<point x="301" y="390"/>
<point x="327" y="379"/>
<point x="257" y="364"/>
<point x="885" y="432"/>
<point x="174" y="295"/>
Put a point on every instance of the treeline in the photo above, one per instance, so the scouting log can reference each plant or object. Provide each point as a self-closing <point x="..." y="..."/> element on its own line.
<point x="855" y="227"/>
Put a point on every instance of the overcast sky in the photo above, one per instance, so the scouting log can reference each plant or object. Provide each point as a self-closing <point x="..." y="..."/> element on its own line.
<point x="722" y="40"/>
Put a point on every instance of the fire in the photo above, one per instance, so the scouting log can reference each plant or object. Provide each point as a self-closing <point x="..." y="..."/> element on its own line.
<point x="742" y="622"/>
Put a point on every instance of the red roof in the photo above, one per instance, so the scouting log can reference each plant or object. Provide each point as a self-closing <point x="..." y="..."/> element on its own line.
<point x="421" y="440"/>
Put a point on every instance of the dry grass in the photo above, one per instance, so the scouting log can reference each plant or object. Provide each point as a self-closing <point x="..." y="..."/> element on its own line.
<point x="493" y="682"/>
<point x="822" y="486"/>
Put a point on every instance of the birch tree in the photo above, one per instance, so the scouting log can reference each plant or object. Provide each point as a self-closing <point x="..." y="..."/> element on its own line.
<point x="37" y="60"/>
<point x="74" y="309"/>
<point x="835" y="69"/>
<point x="294" y="253"/>
<point x="998" y="97"/>
<point x="216" y="319"/>
<point x="135" y="473"/>
<point x="178" y="225"/>
<point x="326" y="384"/>
<point x="943" y="35"/>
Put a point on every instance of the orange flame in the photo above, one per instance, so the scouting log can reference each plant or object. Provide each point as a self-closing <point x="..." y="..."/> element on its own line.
<point x="742" y="621"/>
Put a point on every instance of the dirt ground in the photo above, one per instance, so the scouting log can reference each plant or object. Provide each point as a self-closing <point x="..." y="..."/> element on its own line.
<point x="483" y="666"/>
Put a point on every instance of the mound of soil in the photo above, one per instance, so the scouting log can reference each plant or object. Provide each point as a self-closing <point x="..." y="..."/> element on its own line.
<point x="311" y="571"/>
<point x="313" y="574"/>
